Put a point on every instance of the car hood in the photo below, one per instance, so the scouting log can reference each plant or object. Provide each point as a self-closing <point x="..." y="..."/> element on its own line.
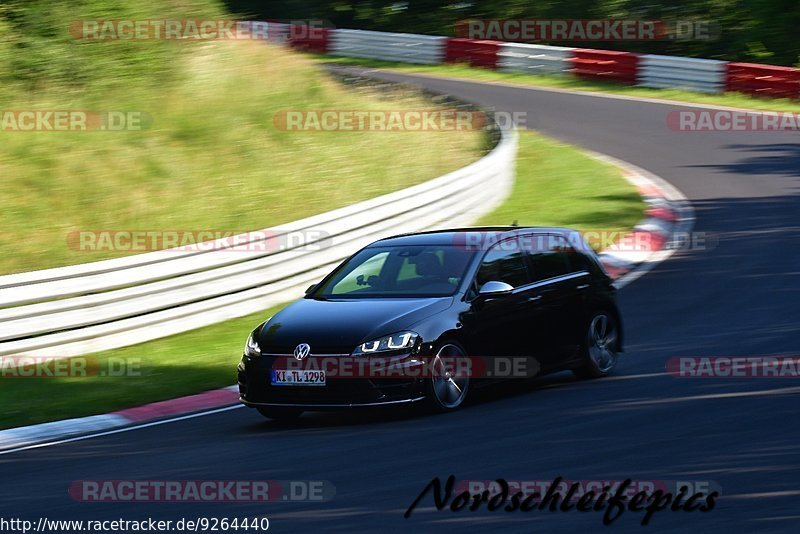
<point x="338" y="326"/>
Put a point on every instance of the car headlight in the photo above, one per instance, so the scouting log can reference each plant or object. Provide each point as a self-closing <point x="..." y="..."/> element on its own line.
<point x="395" y="343"/>
<point x="252" y="348"/>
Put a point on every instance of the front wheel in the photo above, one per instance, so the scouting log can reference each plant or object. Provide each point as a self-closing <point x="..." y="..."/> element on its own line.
<point x="599" y="349"/>
<point x="449" y="383"/>
<point x="279" y="413"/>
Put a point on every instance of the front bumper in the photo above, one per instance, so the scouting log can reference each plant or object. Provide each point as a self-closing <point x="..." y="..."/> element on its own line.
<point x="329" y="406"/>
<point x="256" y="389"/>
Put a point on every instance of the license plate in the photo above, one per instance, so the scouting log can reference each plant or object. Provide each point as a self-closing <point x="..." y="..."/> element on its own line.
<point x="301" y="377"/>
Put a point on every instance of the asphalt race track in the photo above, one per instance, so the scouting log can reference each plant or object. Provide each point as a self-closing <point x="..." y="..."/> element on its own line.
<point x="740" y="299"/>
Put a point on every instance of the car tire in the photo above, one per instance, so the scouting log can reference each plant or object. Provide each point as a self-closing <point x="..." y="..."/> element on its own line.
<point x="600" y="346"/>
<point x="279" y="413"/>
<point x="446" y="391"/>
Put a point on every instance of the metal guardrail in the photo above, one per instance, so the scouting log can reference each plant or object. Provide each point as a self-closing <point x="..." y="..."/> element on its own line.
<point x="472" y="52"/>
<point x="107" y="304"/>
<point x="534" y="59"/>
<point x="405" y="47"/>
<point x="605" y="65"/>
<point x="670" y="72"/>
<point x="764" y="80"/>
<point x="647" y="70"/>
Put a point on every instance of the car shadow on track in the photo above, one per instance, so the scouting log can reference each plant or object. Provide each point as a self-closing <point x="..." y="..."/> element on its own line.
<point x="486" y="395"/>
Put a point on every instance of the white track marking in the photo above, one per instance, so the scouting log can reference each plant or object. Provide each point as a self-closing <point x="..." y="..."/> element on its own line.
<point x="121" y="430"/>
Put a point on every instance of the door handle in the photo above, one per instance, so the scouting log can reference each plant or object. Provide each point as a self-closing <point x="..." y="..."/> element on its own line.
<point x="582" y="286"/>
<point x="534" y="299"/>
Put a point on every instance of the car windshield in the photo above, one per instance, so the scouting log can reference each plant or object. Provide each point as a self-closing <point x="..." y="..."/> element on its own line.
<point x="400" y="271"/>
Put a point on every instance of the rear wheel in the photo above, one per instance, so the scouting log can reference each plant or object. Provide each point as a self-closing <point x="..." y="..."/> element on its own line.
<point x="448" y="384"/>
<point x="279" y="413"/>
<point x="600" y="346"/>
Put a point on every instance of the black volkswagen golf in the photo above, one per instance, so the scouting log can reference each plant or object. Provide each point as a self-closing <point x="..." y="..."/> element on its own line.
<point x="427" y="317"/>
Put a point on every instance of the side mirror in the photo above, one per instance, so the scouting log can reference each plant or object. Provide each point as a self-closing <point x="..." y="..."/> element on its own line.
<point x="494" y="288"/>
<point x="311" y="288"/>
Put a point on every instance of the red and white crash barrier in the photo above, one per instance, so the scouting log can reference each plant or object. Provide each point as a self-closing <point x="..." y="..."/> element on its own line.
<point x="646" y="70"/>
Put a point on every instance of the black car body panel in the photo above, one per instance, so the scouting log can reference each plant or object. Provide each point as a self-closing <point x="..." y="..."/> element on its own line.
<point x="338" y="326"/>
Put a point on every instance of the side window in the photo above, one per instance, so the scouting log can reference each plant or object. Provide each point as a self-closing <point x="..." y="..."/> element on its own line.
<point x="550" y="257"/>
<point x="505" y="262"/>
<point x="580" y="262"/>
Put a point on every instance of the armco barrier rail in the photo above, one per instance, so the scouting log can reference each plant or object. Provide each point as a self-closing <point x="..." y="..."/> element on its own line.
<point x="102" y="305"/>
<point x="98" y="306"/>
<point x="763" y="80"/>
<point x="668" y="72"/>
<point x="312" y="41"/>
<point x="647" y="70"/>
<point x="605" y="65"/>
<point x="471" y="52"/>
<point x="408" y="48"/>
<point x="534" y="59"/>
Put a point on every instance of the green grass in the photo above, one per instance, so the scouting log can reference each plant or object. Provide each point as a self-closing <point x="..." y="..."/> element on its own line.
<point x="212" y="160"/>
<point x="466" y="72"/>
<point x="171" y="367"/>
<point x="556" y="185"/>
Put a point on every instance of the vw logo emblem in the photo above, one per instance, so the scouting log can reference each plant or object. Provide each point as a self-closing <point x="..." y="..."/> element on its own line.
<point x="301" y="351"/>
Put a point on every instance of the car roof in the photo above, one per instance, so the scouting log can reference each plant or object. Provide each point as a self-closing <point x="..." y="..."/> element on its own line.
<point x="459" y="235"/>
